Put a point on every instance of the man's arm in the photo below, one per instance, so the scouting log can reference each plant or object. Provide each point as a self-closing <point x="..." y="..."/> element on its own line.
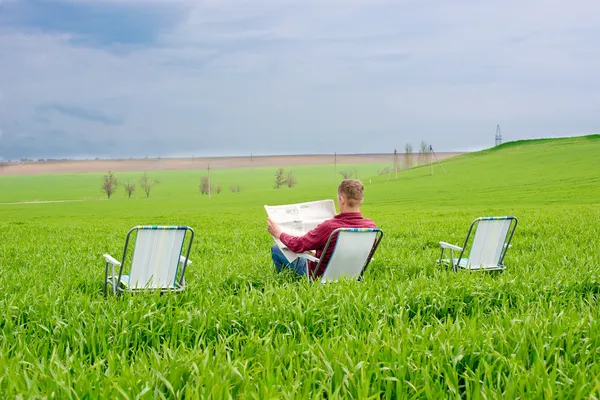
<point x="313" y="240"/>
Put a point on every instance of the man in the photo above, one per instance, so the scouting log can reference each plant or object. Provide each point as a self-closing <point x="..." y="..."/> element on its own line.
<point x="350" y="198"/>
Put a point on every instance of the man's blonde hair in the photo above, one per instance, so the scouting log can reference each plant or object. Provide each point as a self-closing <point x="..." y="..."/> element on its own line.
<point x="353" y="191"/>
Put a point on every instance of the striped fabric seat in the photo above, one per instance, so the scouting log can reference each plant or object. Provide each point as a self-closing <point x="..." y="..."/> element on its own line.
<point x="489" y="245"/>
<point x="157" y="262"/>
<point x="354" y="249"/>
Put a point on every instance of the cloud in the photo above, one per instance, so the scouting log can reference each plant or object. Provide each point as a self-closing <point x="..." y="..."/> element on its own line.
<point x="81" y="113"/>
<point x="141" y="77"/>
<point x="98" y="23"/>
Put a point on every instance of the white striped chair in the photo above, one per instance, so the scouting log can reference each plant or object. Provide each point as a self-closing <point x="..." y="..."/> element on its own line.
<point x="157" y="263"/>
<point x="353" y="251"/>
<point x="489" y="246"/>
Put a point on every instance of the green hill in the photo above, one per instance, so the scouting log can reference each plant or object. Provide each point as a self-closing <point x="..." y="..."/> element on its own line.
<point x="523" y="172"/>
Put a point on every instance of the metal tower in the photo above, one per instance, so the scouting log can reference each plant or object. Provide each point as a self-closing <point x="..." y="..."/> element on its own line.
<point x="498" y="135"/>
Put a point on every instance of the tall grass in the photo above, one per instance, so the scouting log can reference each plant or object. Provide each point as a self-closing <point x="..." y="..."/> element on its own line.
<point x="411" y="329"/>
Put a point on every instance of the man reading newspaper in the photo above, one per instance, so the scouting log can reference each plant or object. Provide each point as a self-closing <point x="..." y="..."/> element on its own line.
<point x="350" y="198"/>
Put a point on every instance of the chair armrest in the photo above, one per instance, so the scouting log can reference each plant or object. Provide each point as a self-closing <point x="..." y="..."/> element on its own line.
<point x="111" y="260"/>
<point x="182" y="260"/>
<point x="450" y="246"/>
<point x="308" y="257"/>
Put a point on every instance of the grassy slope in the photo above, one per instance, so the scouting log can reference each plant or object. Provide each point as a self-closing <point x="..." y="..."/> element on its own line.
<point x="411" y="328"/>
<point x="518" y="173"/>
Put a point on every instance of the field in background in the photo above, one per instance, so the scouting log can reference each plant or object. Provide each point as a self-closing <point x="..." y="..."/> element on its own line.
<point x="411" y="328"/>
<point x="197" y="163"/>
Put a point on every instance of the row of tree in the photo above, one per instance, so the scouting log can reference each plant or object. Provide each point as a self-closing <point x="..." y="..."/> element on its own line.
<point x="207" y="187"/>
<point x="110" y="183"/>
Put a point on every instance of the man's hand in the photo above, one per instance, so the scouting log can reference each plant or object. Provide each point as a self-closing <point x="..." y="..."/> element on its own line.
<point x="273" y="228"/>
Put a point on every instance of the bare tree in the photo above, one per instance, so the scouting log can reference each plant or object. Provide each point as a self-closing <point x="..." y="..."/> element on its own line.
<point x="291" y="180"/>
<point x="280" y="178"/>
<point x="423" y="152"/>
<point x="235" y="188"/>
<point x="218" y="189"/>
<point x="147" y="184"/>
<point x="109" y="184"/>
<point x="204" y="185"/>
<point x="347" y="174"/>
<point x="129" y="189"/>
<point x="408" y="155"/>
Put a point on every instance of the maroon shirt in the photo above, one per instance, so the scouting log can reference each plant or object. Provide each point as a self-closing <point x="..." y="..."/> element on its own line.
<point x="317" y="238"/>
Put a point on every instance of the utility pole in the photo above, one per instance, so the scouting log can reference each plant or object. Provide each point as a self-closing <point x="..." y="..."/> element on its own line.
<point x="209" y="180"/>
<point x="431" y="159"/>
<point x="334" y="166"/>
<point x="394" y="167"/>
<point x="498" y="135"/>
<point x="396" y="162"/>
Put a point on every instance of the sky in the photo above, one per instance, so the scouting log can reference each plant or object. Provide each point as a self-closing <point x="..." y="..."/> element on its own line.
<point x="171" y="78"/>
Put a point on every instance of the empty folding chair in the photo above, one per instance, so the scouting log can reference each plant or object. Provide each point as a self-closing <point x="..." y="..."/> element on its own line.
<point x="490" y="243"/>
<point x="157" y="263"/>
<point x="353" y="251"/>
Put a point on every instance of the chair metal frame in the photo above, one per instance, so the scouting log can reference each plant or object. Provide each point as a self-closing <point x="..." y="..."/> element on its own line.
<point x="117" y="284"/>
<point x="509" y="234"/>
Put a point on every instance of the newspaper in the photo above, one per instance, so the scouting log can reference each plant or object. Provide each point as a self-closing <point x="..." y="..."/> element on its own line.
<point x="299" y="219"/>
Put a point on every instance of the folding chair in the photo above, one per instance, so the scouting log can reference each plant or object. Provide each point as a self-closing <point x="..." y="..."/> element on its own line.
<point x="490" y="243"/>
<point x="353" y="251"/>
<point x="157" y="262"/>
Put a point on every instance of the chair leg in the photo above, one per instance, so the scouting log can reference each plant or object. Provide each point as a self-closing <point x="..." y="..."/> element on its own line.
<point x="439" y="262"/>
<point x="105" y="279"/>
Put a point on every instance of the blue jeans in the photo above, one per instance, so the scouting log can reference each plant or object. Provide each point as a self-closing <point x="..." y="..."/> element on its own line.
<point x="298" y="266"/>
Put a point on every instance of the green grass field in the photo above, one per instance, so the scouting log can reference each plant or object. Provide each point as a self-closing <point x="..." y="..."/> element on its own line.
<point x="410" y="329"/>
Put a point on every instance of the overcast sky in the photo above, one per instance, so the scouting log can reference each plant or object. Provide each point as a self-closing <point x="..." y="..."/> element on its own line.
<point x="114" y="78"/>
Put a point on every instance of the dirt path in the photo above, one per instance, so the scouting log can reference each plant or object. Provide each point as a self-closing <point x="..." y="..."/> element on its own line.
<point x="48" y="201"/>
<point x="157" y="164"/>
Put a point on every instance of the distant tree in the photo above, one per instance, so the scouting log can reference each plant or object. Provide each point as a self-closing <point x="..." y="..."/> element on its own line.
<point x="347" y="174"/>
<point x="235" y="188"/>
<point x="238" y="188"/>
<point x="408" y="155"/>
<point x="147" y="184"/>
<point x="291" y="180"/>
<point x="423" y="152"/>
<point x="204" y="185"/>
<point x="232" y="188"/>
<point x="280" y="178"/>
<point x="355" y="173"/>
<point x="129" y="189"/>
<point x="109" y="184"/>
<point x="218" y="189"/>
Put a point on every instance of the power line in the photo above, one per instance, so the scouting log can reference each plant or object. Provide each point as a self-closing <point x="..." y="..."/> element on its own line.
<point x="431" y="152"/>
